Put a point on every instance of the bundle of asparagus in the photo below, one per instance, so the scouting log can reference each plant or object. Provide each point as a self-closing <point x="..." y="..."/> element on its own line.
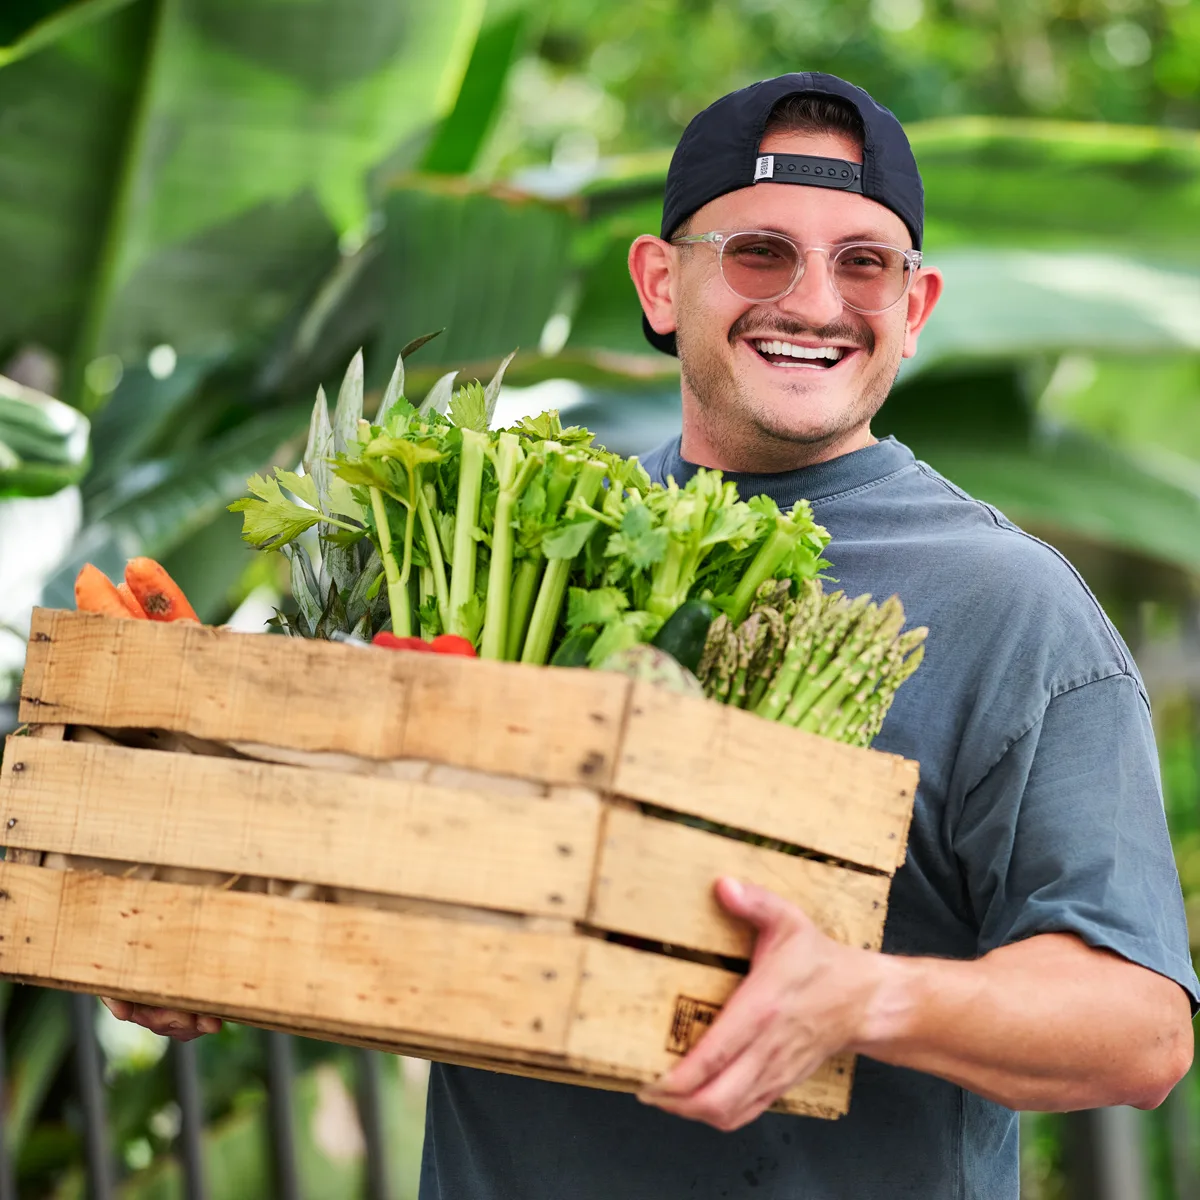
<point x="816" y="661"/>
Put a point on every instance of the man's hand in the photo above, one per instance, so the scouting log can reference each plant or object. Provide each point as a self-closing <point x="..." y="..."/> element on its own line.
<point x="802" y="1002"/>
<point x="1047" y="1023"/>
<point x="181" y="1026"/>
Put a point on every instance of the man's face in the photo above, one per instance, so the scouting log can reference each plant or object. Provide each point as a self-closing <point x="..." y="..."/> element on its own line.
<point x="743" y="393"/>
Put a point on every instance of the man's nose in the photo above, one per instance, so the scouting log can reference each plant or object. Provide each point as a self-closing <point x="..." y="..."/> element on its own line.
<point x="813" y="299"/>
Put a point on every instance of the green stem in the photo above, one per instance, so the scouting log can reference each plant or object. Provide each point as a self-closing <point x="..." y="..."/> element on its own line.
<point x="466" y="518"/>
<point x="397" y="592"/>
<point x="509" y="477"/>
<point x="525" y="586"/>
<point x="529" y="573"/>
<point x="781" y="541"/>
<point x="433" y="547"/>
<point x="548" y="606"/>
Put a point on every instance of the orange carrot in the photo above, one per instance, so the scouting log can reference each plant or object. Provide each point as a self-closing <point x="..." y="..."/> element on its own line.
<point x="94" y="592"/>
<point x="159" y="595"/>
<point x="135" y="609"/>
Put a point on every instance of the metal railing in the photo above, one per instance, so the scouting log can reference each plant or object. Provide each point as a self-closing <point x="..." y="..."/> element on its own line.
<point x="188" y="1148"/>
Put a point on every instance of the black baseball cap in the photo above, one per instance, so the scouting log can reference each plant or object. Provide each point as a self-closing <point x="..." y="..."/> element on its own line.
<point x="719" y="153"/>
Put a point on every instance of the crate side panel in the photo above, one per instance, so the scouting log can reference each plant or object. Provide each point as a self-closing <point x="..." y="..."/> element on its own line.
<point x="736" y="769"/>
<point x="216" y="684"/>
<point x="655" y="880"/>
<point x="30" y="900"/>
<point x="207" y="950"/>
<point x="540" y="722"/>
<point x="638" y="1013"/>
<point x="459" y="845"/>
<point x="559" y="727"/>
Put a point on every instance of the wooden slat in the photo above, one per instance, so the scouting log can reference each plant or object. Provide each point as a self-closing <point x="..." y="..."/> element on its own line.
<point x="467" y="846"/>
<point x="632" y="1006"/>
<point x="18" y="854"/>
<point x="85" y="669"/>
<point x="538" y="722"/>
<point x="655" y="880"/>
<point x="206" y="950"/>
<point x="732" y="767"/>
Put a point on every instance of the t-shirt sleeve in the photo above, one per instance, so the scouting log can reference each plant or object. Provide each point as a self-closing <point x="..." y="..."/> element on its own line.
<point x="1067" y="834"/>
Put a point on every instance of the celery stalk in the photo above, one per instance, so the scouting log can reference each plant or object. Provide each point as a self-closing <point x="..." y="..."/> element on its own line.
<point x="466" y="519"/>
<point x="548" y="606"/>
<point x="509" y="475"/>
<point x="433" y="547"/>
<point x="529" y="573"/>
<point x="397" y="591"/>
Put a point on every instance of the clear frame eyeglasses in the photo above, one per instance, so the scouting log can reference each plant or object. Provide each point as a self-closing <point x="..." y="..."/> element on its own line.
<point x="762" y="266"/>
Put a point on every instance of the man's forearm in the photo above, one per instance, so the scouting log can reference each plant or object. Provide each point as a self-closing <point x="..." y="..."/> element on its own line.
<point x="1048" y="1023"/>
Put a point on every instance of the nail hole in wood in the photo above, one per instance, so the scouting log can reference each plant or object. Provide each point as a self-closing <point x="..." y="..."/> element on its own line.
<point x="18" y="767"/>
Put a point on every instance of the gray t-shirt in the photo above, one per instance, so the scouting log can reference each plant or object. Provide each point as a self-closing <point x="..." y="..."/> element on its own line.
<point x="1039" y="810"/>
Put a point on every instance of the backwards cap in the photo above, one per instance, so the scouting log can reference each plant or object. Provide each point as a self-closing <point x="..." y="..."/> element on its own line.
<point x="719" y="153"/>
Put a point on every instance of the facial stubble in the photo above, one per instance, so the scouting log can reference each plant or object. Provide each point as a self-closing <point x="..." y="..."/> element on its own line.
<point x="734" y="414"/>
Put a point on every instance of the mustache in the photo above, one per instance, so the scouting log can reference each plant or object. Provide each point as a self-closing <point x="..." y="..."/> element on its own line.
<point x="773" y="322"/>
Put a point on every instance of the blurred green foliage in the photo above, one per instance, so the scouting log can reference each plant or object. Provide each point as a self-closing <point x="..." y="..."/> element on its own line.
<point x="630" y="76"/>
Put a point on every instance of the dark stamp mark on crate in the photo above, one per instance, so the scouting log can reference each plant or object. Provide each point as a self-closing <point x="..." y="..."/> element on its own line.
<point x="689" y="1023"/>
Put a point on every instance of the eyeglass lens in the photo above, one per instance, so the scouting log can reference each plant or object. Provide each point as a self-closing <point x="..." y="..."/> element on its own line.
<point x="762" y="266"/>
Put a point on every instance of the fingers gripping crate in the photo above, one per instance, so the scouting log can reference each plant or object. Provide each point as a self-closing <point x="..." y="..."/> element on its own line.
<point x="469" y="861"/>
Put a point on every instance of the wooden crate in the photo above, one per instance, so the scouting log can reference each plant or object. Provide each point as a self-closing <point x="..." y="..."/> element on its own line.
<point x="467" y="861"/>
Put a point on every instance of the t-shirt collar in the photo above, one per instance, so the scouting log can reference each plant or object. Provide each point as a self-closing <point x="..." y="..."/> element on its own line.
<point x="820" y="482"/>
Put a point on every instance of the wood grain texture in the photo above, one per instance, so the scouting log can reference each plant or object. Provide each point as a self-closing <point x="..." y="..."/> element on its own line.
<point x="476" y="846"/>
<point x="732" y="767"/>
<point x="17" y="853"/>
<point x="537" y="722"/>
<point x="655" y="880"/>
<point x="633" y="1005"/>
<point x="322" y="965"/>
<point x="553" y="726"/>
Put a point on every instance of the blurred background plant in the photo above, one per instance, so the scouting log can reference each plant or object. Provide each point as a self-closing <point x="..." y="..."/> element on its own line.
<point x="207" y="205"/>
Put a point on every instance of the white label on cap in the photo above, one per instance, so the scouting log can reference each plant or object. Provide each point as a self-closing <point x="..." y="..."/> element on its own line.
<point x="764" y="168"/>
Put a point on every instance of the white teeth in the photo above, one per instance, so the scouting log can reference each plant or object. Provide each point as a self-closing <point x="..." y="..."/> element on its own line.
<point x="833" y="353"/>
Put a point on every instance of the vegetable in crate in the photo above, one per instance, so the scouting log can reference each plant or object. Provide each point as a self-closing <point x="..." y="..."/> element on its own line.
<point x="147" y="592"/>
<point x="816" y="661"/>
<point x="426" y="521"/>
<point x="535" y="545"/>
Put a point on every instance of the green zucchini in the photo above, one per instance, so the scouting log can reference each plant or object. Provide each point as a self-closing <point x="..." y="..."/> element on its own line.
<point x="573" y="652"/>
<point x="685" y="631"/>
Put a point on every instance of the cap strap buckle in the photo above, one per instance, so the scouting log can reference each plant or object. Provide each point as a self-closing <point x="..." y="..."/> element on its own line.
<point x="810" y="169"/>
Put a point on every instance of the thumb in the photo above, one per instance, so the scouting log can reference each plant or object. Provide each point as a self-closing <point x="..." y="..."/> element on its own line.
<point x="761" y="908"/>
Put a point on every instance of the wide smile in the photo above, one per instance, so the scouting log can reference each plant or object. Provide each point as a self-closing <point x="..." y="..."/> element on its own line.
<point x="793" y="356"/>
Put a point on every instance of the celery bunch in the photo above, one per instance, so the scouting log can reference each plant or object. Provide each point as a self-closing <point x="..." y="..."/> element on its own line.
<point x="428" y="521"/>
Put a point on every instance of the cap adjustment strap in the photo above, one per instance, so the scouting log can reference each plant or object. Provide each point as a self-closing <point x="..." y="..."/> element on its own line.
<point x="809" y="169"/>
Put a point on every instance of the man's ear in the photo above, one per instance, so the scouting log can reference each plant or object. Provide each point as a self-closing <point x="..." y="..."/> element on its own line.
<point x="650" y="263"/>
<point x="922" y="298"/>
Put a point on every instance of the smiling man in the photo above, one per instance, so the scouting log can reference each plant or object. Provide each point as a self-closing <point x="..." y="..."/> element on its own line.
<point x="1035" y="954"/>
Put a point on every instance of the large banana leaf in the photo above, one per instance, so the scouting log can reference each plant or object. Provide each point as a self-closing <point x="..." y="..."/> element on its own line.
<point x="1016" y="303"/>
<point x="489" y="265"/>
<point x="180" y="171"/>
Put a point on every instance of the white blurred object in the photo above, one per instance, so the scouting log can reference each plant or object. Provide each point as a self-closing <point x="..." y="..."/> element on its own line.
<point x="517" y="402"/>
<point x="35" y="534"/>
<point x="126" y="1046"/>
<point x="252" y="615"/>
